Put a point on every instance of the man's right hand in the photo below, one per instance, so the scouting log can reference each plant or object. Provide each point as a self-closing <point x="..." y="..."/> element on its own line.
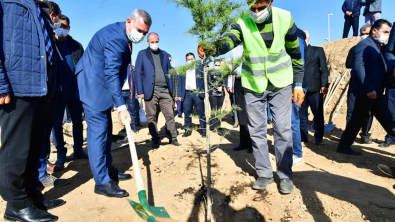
<point x="372" y="95"/>
<point x="230" y="89"/>
<point x="124" y="117"/>
<point x="5" y="99"/>
<point x="141" y="96"/>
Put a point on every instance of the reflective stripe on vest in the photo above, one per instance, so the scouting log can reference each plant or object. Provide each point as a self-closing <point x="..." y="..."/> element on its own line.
<point x="261" y="65"/>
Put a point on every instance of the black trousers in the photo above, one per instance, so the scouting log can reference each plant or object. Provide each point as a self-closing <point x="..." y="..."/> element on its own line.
<point x="216" y="103"/>
<point x="316" y="103"/>
<point x="366" y="122"/>
<point x="379" y="109"/>
<point x="242" y="114"/>
<point x="22" y="130"/>
<point x="351" y="21"/>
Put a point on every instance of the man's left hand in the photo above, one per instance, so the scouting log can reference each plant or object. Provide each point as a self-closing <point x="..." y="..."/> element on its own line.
<point x="298" y="95"/>
<point x="324" y="90"/>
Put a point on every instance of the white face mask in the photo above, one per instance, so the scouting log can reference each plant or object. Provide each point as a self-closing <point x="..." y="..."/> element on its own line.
<point x="135" y="36"/>
<point x="62" y="33"/>
<point x="216" y="67"/>
<point x="154" y="46"/>
<point x="57" y="25"/>
<point x="189" y="62"/>
<point x="261" y="16"/>
<point x="382" y="39"/>
<point x="364" y="36"/>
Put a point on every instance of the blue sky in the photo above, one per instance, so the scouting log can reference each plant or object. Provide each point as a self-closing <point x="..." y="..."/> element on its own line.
<point x="171" y="22"/>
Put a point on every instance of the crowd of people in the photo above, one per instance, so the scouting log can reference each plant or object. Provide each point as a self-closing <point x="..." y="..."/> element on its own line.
<point x="48" y="73"/>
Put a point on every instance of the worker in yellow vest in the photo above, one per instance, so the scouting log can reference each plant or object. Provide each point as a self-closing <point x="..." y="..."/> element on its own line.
<point x="271" y="69"/>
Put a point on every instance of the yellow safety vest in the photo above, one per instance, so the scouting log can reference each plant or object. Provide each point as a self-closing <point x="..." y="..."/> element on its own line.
<point x="261" y="65"/>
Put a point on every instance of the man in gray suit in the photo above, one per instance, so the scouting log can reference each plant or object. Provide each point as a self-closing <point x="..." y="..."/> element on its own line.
<point x="372" y="11"/>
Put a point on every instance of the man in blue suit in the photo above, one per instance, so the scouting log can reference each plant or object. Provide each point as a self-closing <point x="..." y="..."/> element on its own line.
<point x="366" y="84"/>
<point x="190" y="90"/>
<point x="155" y="86"/>
<point x="100" y="75"/>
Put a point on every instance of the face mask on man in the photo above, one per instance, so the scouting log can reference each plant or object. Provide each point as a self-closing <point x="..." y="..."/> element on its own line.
<point x="216" y="67"/>
<point x="261" y="16"/>
<point x="382" y="39"/>
<point x="154" y="46"/>
<point x="62" y="33"/>
<point x="135" y="36"/>
<point x="189" y="62"/>
<point x="57" y="25"/>
<point x="364" y="36"/>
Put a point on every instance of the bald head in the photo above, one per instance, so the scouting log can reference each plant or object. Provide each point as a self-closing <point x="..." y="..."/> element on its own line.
<point x="307" y="37"/>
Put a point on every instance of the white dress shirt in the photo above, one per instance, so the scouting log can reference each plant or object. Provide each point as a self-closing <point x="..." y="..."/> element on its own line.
<point x="190" y="79"/>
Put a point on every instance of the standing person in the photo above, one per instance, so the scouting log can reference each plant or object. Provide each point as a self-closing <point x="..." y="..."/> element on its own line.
<point x="156" y="88"/>
<point x="351" y="10"/>
<point x="297" y="156"/>
<point x="366" y="84"/>
<point x="191" y="92"/>
<point x="100" y="75"/>
<point x="216" y="94"/>
<point x="316" y="82"/>
<point x="372" y="11"/>
<point x="272" y="64"/>
<point x="175" y="88"/>
<point x="24" y="93"/>
<point x="244" y="135"/>
<point x="70" y="53"/>
<point x="389" y="82"/>
<point x="367" y="122"/>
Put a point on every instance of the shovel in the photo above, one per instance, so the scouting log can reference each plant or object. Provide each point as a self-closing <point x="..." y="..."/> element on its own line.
<point x="146" y="212"/>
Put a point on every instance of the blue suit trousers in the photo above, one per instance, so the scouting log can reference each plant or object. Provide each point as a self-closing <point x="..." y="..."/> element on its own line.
<point x="99" y="144"/>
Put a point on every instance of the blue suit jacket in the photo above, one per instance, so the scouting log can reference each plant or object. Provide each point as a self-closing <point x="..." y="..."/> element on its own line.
<point x="199" y="84"/>
<point x="103" y="67"/>
<point x="369" y="69"/>
<point x="145" y="72"/>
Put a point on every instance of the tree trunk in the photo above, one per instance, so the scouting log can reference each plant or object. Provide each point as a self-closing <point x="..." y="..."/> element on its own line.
<point x="208" y="113"/>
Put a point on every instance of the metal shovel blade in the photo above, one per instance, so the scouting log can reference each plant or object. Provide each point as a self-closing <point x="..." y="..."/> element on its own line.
<point x="157" y="212"/>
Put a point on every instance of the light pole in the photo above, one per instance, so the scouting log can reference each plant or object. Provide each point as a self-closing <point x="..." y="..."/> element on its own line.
<point x="329" y="27"/>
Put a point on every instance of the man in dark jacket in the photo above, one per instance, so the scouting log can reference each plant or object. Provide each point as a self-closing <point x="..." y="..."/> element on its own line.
<point x="27" y="82"/>
<point x="316" y="82"/>
<point x="372" y="11"/>
<point x="389" y="55"/>
<point x="189" y="91"/>
<point x="156" y="88"/>
<point x="70" y="53"/>
<point x="366" y="84"/>
<point x="351" y="10"/>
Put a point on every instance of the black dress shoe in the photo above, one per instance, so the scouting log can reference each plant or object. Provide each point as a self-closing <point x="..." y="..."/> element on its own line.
<point x="366" y="140"/>
<point x="110" y="189"/>
<point x="385" y="144"/>
<point x="121" y="177"/>
<point x="175" y="143"/>
<point x="29" y="214"/>
<point x="187" y="133"/>
<point x="155" y="143"/>
<point x="241" y="146"/>
<point x="50" y="204"/>
<point x="203" y="134"/>
<point x="349" y="152"/>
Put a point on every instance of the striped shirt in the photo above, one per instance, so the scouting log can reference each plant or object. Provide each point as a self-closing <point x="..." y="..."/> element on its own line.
<point x="234" y="37"/>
